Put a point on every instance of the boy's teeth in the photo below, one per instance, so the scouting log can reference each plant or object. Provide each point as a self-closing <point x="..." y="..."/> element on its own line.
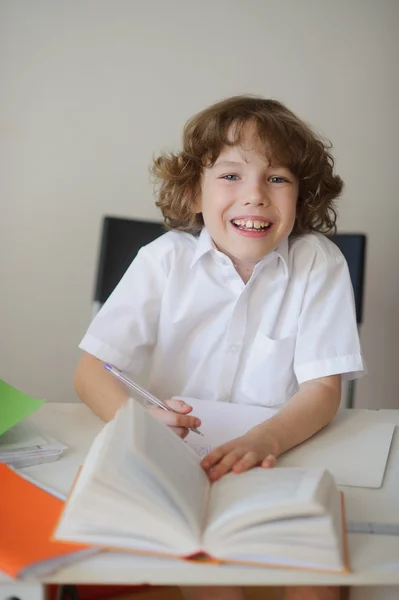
<point x="249" y="224"/>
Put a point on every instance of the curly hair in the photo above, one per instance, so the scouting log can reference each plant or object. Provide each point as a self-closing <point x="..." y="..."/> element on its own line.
<point x="287" y="141"/>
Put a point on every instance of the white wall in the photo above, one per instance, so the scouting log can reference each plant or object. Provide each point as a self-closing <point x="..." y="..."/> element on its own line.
<point x="90" y="89"/>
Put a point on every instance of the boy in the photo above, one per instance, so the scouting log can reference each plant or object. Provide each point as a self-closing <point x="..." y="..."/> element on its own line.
<point x="244" y="300"/>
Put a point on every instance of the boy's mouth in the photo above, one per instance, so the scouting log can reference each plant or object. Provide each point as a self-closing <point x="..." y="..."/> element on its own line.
<point x="253" y="224"/>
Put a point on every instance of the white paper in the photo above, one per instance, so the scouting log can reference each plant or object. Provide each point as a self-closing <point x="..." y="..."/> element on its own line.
<point x="222" y="422"/>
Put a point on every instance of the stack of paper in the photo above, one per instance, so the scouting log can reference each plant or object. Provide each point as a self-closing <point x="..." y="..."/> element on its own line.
<point x="21" y="443"/>
<point x="24" y="445"/>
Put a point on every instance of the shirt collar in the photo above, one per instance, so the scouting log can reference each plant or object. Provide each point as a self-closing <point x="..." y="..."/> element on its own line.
<point x="205" y="244"/>
<point x="282" y="252"/>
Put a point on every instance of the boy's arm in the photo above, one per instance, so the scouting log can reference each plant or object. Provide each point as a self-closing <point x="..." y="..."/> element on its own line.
<point x="97" y="388"/>
<point x="105" y="395"/>
<point x="308" y="411"/>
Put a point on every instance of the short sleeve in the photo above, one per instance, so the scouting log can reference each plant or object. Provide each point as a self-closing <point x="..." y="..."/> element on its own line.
<point x="327" y="338"/>
<point x="124" y="331"/>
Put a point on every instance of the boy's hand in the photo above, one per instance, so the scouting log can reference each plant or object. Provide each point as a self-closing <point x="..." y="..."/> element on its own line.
<point x="238" y="455"/>
<point x="178" y="422"/>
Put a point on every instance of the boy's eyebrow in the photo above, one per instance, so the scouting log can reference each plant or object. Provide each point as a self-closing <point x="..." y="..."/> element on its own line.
<point x="228" y="163"/>
<point x="232" y="163"/>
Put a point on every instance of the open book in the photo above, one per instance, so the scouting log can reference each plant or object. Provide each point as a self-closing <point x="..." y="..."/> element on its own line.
<point x="142" y="488"/>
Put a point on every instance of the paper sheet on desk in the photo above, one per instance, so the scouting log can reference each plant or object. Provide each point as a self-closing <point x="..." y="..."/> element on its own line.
<point x="352" y="447"/>
<point x="222" y="421"/>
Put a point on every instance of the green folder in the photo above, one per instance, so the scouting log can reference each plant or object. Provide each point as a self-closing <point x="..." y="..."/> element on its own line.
<point x="15" y="406"/>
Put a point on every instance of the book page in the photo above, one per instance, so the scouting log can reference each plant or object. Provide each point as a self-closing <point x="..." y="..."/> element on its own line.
<point x="245" y="499"/>
<point x="127" y="512"/>
<point x="119" y="500"/>
<point x="172" y="462"/>
<point x="307" y="541"/>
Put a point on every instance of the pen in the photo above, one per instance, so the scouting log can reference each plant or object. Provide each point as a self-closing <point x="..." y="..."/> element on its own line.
<point x="137" y="388"/>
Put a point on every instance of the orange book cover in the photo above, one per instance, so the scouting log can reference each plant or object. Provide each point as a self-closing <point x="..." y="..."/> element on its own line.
<point x="28" y="516"/>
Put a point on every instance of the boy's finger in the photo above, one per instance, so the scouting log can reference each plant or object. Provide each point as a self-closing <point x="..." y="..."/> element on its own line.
<point x="175" y="419"/>
<point x="180" y="431"/>
<point x="269" y="462"/>
<point x="248" y="461"/>
<point x="213" y="457"/>
<point x="179" y="406"/>
<point x="225" y="465"/>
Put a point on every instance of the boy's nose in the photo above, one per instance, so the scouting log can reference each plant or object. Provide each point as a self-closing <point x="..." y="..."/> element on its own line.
<point x="256" y="197"/>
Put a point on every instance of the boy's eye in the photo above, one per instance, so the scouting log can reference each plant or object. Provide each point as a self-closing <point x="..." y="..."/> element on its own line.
<point x="230" y="177"/>
<point x="277" y="179"/>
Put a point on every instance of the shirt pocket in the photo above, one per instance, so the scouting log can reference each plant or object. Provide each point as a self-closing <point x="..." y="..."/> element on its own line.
<point x="269" y="377"/>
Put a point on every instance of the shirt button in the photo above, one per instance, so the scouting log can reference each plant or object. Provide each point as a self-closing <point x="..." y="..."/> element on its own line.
<point x="234" y="348"/>
<point x="224" y="398"/>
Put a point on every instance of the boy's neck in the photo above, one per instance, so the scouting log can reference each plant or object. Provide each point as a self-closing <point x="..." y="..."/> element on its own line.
<point x="244" y="269"/>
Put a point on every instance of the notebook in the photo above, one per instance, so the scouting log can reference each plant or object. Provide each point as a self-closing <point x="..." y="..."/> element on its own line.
<point x="28" y="516"/>
<point x="352" y="447"/>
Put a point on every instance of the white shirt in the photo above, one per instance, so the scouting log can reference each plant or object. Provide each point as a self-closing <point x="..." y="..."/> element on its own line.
<point x="182" y="304"/>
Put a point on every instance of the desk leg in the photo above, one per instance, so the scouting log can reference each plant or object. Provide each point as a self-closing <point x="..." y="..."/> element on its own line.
<point x="67" y="592"/>
<point x="350" y="401"/>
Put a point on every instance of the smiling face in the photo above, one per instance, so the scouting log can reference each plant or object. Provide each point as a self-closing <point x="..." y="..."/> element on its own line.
<point x="247" y="204"/>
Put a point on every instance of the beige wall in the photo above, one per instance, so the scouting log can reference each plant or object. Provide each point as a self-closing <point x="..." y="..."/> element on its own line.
<point x="90" y="89"/>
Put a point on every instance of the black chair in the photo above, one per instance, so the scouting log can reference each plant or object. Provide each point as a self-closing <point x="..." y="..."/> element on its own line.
<point x="353" y="247"/>
<point x="121" y="239"/>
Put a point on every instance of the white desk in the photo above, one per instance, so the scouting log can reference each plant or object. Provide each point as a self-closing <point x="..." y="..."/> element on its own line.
<point x="374" y="558"/>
